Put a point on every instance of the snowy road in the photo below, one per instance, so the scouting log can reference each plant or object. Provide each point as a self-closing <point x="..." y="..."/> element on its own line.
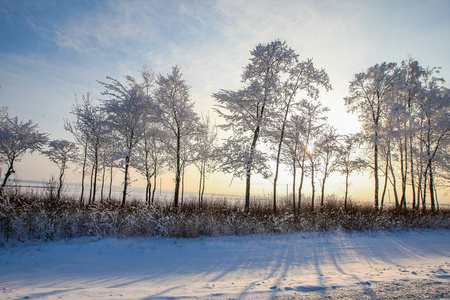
<point x="251" y="267"/>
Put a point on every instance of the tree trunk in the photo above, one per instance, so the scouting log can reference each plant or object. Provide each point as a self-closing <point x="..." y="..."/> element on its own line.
<point x="431" y="183"/>
<point x="182" y="182"/>
<point x="425" y="188"/>
<point x="125" y="181"/>
<point x="404" y="169"/>
<point x="247" y="187"/>
<point x="275" y="180"/>
<point x="300" y="187"/>
<point x="7" y="174"/>
<point x="200" y="185"/>
<point x="386" y="177"/>
<point x="411" y="157"/>
<point x="154" y="187"/>
<point x="148" y="189"/>
<point x="95" y="177"/>
<point x="178" y="172"/>
<point x="436" y="198"/>
<point x="347" y="173"/>
<point x="83" y="173"/>
<point x="323" y="194"/>
<point x="204" y="181"/>
<point x="377" y="184"/>
<point x="110" y="182"/>
<point x="103" y="183"/>
<point x="294" y="171"/>
<point x="249" y="169"/>
<point x="313" y="189"/>
<point x="280" y="144"/>
<point x="90" y="185"/>
<point x="394" y="183"/>
<point x="61" y="175"/>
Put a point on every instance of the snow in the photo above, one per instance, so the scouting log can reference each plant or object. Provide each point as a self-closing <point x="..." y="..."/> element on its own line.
<point x="241" y="267"/>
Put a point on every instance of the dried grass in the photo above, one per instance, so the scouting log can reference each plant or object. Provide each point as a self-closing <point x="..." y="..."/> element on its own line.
<point x="31" y="216"/>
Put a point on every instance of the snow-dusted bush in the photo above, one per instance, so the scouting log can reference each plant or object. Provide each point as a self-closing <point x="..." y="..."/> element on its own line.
<point x="31" y="217"/>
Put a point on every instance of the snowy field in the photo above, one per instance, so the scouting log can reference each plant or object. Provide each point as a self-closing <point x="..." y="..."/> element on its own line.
<point x="337" y="265"/>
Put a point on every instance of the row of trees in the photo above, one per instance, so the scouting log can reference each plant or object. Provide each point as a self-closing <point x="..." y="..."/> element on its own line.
<point x="276" y="118"/>
<point x="404" y="110"/>
<point x="150" y="125"/>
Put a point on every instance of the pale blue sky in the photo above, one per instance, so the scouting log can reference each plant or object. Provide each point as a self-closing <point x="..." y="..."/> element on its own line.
<point x="52" y="50"/>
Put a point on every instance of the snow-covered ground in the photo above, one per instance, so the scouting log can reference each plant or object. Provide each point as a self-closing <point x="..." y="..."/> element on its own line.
<point x="249" y="267"/>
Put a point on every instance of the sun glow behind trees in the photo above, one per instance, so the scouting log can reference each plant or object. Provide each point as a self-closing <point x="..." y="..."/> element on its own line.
<point x="310" y="148"/>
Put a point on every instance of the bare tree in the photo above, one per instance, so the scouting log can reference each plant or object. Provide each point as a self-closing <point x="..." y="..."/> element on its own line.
<point x="348" y="161"/>
<point x="303" y="76"/>
<point x="16" y="139"/>
<point x="92" y="131"/>
<point x="370" y="91"/>
<point x="81" y="134"/>
<point x="304" y="128"/>
<point x="151" y="157"/>
<point x="435" y="112"/>
<point x="126" y="107"/>
<point x="248" y="111"/>
<point x="177" y="117"/>
<point x="328" y="147"/>
<point x="205" y="153"/>
<point x="150" y="150"/>
<point x="61" y="152"/>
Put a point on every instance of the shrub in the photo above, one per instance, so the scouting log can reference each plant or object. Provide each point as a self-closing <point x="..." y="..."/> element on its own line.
<point x="30" y="216"/>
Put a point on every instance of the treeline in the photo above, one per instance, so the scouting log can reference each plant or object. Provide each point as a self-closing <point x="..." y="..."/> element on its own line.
<point x="149" y="124"/>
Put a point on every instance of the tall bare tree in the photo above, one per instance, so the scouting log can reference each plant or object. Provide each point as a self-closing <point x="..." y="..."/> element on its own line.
<point x="125" y="108"/>
<point x="435" y="112"/>
<point x="302" y="77"/>
<point x="177" y="117"/>
<point x="370" y="91"/>
<point x="328" y="147"/>
<point x="247" y="112"/>
<point x="205" y="153"/>
<point x="304" y="128"/>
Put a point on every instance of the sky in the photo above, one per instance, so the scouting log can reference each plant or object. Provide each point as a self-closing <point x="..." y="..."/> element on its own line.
<point x="52" y="51"/>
